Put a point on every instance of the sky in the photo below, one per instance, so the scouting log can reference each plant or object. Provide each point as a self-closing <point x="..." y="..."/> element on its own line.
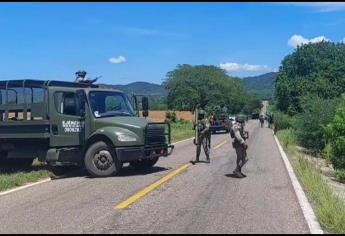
<point x="128" y="42"/>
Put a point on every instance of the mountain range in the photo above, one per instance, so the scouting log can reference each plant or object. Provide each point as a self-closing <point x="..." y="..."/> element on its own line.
<point x="261" y="86"/>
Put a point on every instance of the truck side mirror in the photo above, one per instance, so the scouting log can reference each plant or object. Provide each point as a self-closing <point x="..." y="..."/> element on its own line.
<point x="145" y="104"/>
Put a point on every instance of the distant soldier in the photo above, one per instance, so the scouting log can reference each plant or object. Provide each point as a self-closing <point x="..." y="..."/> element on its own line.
<point x="239" y="136"/>
<point x="262" y="120"/>
<point x="204" y="135"/>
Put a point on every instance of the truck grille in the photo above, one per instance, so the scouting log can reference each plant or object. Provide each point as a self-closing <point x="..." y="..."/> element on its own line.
<point x="155" y="134"/>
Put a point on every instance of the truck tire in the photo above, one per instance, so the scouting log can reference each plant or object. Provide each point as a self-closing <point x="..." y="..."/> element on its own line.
<point x="100" y="160"/>
<point x="145" y="163"/>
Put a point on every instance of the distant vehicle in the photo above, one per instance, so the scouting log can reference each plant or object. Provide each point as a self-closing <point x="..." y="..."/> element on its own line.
<point x="66" y="123"/>
<point x="221" y="123"/>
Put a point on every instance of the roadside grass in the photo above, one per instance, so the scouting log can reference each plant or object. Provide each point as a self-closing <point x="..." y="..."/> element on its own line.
<point x="11" y="177"/>
<point x="181" y="130"/>
<point x="328" y="207"/>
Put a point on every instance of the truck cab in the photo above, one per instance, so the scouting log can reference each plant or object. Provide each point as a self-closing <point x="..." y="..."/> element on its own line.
<point x="65" y="123"/>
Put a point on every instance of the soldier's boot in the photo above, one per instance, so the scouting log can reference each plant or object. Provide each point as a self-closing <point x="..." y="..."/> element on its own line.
<point x="208" y="159"/>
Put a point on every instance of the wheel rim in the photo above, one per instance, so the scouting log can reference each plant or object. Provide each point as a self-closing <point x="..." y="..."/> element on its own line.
<point x="103" y="160"/>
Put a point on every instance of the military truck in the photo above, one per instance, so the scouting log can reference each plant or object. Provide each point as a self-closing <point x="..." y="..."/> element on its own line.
<point x="67" y="123"/>
<point x="221" y="121"/>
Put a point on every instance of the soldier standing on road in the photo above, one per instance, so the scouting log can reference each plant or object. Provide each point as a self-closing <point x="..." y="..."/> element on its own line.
<point x="204" y="136"/>
<point x="239" y="144"/>
<point x="262" y="120"/>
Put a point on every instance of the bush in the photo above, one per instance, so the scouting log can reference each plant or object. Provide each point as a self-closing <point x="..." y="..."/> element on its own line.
<point x="335" y="132"/>
<point x="327" y="153"/>
<point x="288" y="139"/>
<point x="170" y="116"/>
<point x="281" y="121"/>
<point x="340" y="175"/>
<point x="309" y="124"/>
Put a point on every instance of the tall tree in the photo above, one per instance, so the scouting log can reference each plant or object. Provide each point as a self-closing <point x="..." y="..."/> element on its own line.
<point x="204" y="85"/>
<point x="317" y="69"/>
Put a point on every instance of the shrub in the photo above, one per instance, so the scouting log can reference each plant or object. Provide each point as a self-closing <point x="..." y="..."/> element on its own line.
<point x="309" y="124"/>
<point x="335" y="132"/>
<point x="288" y="138"/>
<point x="281" y="120"/>
<point x="327" y="153"/>
<point x="170" y="116"/>
<point x="340" y="175"/>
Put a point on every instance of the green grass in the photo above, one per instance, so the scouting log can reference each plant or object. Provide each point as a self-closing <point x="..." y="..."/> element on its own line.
<point x="11" y="177"/>
<point x="181" y="130"/>
<point x="328" y="207"/>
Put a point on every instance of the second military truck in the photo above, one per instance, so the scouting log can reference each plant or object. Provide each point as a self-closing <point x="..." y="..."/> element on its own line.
<point x="65" y="123"/>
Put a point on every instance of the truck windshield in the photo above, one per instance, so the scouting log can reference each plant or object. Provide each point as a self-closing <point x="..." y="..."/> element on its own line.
<point x="108" y="103"/>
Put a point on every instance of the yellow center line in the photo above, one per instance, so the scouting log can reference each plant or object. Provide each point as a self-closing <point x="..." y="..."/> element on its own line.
<point x="221" y="144"/>
<point x="146" y="190"/>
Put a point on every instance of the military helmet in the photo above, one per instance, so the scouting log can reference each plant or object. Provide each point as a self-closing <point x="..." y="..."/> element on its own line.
<point x="240" y="118"/>
<point x="201" y="114"/>
<point x="80" y="73"/>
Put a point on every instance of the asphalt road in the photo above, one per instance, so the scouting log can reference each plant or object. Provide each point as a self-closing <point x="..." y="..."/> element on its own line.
<point x="205" y="198"/>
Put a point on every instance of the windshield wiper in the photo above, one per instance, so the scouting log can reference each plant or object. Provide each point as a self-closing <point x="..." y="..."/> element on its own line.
<point x="109" y="114"/>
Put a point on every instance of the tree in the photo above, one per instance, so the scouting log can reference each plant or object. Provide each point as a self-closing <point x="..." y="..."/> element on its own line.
<point x="207" y="86"/>
<point x="317" y="69"/>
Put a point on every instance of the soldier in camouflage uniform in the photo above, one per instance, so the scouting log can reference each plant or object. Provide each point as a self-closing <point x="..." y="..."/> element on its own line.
<point x="239" y="136"/>
<point x="204" y="136"/>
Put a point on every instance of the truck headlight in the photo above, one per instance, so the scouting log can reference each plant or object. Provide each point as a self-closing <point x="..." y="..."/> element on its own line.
<point x="126" y="138"/>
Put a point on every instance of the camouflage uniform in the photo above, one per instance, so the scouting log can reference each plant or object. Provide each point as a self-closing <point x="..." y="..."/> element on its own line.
<point x="239" y="145"/>
<point x="204" y="133"/>
<point x="80" y="76"/>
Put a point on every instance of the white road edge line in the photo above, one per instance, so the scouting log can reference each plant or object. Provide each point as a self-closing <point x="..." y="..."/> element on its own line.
<point x="308" y="212"/>
<point x="24" y="186"/>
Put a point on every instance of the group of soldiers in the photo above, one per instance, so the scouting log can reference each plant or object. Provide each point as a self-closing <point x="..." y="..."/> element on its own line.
<point x="237" y="132"/>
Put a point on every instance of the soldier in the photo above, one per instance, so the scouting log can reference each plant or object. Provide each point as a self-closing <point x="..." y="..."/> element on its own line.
<point x="204" y="136"/>
<point x="80" y="76"/>
<point x="262" y="120"/>
<point x="239" y="144"/>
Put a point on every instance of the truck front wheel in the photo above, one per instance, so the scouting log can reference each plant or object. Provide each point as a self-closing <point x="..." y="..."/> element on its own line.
<point x="145" y="163"/>
<point x="100" y="160"/>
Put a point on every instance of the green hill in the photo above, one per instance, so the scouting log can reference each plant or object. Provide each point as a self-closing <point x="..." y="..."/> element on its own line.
<point x="261" y="85"/>
<point x="143" y="88"/>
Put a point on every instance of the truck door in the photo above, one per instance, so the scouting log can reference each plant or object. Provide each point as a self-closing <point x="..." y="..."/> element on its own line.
<point x="66" y="116"/>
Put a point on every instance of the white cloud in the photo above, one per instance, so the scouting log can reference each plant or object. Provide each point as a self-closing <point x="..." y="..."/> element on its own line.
<point x="343" y="40"/>
<point x="298" y="40"/>
<point x="236" y="67"/>
<point x="117" y="60"/>
<point x="319" y="6"/>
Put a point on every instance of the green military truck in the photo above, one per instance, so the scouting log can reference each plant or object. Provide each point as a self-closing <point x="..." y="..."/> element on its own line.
<point x="66" y="123"/>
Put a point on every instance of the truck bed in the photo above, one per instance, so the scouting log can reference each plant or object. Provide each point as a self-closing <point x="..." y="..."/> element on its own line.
<point x="24" y="129"/>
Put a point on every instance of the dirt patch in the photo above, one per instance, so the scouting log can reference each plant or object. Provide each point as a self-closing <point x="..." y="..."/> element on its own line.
<point x="160" y="115"/>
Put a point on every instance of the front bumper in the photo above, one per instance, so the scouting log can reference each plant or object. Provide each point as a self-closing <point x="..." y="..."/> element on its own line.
<point x="218" y="128"/>
<point x="127" y="154"/>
